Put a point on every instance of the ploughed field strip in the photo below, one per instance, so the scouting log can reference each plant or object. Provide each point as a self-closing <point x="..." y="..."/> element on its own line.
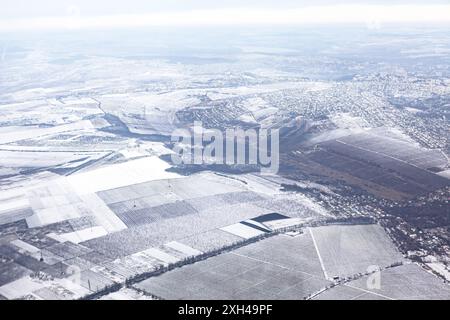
<point x="395" y="148"/>
<point x="148" y="215"/>
<point x="385" y="161"/>
<point x="139" y="211"/>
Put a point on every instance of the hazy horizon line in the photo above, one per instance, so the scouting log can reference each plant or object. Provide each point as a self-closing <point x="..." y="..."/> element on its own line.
<point x="374" y="16"/>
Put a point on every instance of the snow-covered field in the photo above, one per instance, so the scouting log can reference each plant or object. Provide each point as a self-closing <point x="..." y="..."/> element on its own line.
<point x="126" y="294"/>
<point x="20" y="287"/>
<point x="161" y="255"/>
<point x="183" y="248"/>
<point x="84" y="235"/>
<point x="102" y="214"/>
<point x="14" y="134"/>
<point x="120" y="175"/>
<point x="242" y="231"/>
<point x="26" y="247"/>
<point x="346" y="250"/>
<point x="441" y="269"/>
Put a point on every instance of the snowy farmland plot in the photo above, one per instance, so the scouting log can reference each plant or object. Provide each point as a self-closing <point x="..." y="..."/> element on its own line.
<point x="259" y="271"/>
<point x="284" y="267"/>
<point x="408" y="282"/>
<point x="348" y="250"/>
<point x="122" y="174"/>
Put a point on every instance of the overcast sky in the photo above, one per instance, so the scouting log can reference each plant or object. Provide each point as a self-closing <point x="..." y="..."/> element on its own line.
<point x="47" y="14"/>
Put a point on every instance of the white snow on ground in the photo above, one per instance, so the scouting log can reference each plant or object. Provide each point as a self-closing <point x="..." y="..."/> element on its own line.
<point x="25" y="246"/>
<point x="11" y="195"/>
<point x="56" y="237"/>
<point x="247" y="118"/>
<point x="16" y="135"/>
<point x="348" y="121"/>
<point x="53" y="201"/>
<point x="242" y="231"/>
<point x="102" y="214"/>
<point x="84" y="235"/>
<point x="161" y="255"/>
<point x="140" y="149"/>
<point x="260" y="88"/>
<point x="183" y="248"/>
<point x="333" y="134"/>
<point x="318" y="86"/>
<point x="27" y="285"/>
<point x="57" y="201"/>
<point x="11" y="201"/>
<point x="126" y="294"/>
<point x="72" y="285"/>
<point x="325" y="274"/>
<point x="13" y="204"/>
<point x="77" y="100"/>
<point x="259" y="184"/>
<point x="441" y="269"/>
<point x="120" y="175"/>
<point x="413" y="110"/>
<point x="445" y="174"/>
<point x="264" y="113"/>
<point x="158" y="148"/>
<point x="350" y="249"/>
<point x="316" y="207"/>
<point x="130" y="153"/>
<point x="121" y="296"/>
<point x="52" y="215"/>
<point x="41" y="158"/>
<point x="258" y="225"/>
<point x="19" y="288"/>
<point x="283" y="223"/>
